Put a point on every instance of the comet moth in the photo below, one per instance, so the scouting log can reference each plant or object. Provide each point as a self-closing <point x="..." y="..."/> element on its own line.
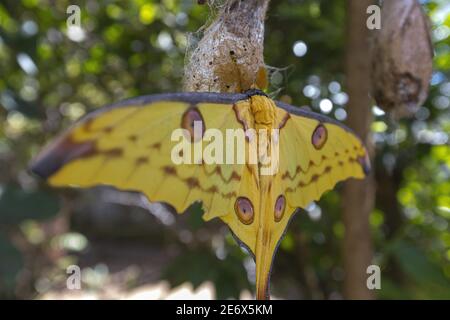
<point x="128" y="145"/>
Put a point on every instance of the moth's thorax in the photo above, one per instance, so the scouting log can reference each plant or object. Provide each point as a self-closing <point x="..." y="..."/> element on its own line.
<point x="263" y="111"/>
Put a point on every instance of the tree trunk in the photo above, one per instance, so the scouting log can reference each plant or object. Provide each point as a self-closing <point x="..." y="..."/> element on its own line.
<point x="358" y="196"/>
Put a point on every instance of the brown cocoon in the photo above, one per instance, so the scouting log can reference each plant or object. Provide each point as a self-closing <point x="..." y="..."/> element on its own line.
<point x="402" y="58"/>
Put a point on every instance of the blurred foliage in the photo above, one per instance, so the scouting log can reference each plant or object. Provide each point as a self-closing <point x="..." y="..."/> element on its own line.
<point x="17" y="203"/>
<point x="49" y="77"/>
<point x="223" y="273"/>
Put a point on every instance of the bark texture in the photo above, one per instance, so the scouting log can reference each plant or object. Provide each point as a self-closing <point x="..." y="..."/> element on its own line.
<point x="358" y="196"/>
<point x="229" y="56"/>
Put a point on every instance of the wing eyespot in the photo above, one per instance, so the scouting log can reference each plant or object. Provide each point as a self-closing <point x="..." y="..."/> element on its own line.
<point x="191" y="120"/>
<point x="280" y="206"/>
<point x="319" y="137"/>
<point x="244" y="210"/>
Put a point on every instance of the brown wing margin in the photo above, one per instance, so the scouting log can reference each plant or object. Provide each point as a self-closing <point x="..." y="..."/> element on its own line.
<point x="310" y="114"/>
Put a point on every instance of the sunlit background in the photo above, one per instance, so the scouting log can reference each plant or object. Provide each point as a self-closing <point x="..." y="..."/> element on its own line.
<point x="128" y="248"/>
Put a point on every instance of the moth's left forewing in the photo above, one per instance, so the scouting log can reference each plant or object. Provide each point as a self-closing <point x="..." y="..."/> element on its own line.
<point x="129" y="146"/>
<point x="315" y="153"/>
